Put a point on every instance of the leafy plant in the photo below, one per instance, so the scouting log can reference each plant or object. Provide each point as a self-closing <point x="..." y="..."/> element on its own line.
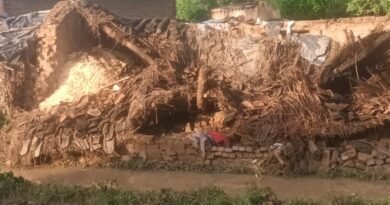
<point x="197" y="10"/>
<point x="193" y="10"/>
<point x="368" y="7"/>
<point x="310" y="9"/>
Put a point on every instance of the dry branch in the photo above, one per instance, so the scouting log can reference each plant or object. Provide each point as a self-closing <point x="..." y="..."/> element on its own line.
<point x="113" y="32"/>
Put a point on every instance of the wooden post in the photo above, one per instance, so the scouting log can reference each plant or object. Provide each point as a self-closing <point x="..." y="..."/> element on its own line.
<point x="2" y="7"/>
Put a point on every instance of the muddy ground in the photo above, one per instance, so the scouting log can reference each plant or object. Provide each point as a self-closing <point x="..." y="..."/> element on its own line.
<point x="286" y="188"/>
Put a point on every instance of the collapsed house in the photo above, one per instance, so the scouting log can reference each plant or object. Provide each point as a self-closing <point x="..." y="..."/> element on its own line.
<point x="86" y="82"/>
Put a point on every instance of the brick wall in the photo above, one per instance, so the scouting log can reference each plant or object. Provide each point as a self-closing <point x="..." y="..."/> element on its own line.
<point x="123" y="8"/>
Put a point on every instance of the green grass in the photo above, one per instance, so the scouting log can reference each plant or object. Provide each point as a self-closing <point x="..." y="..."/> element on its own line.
<point x="16" y="190"/>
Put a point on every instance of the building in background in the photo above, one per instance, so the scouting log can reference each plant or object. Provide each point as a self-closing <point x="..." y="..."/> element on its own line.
<point x="122" y="8"/>
<point x="250" y="11"/>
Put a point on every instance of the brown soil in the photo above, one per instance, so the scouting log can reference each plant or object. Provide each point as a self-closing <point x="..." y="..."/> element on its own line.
<point x="285" y="188"/>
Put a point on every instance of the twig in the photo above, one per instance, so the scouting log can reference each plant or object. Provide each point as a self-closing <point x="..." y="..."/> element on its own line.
<point x="115" y="82"/>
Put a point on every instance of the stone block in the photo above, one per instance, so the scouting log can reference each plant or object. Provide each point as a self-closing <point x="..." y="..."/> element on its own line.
<point x="349" y="163"/>
<point x="210" y="156"/>
<point x="349" y="154"/>
<point x="380" y="162"/>
<point x="363" y="157"/>
<point x="249" y="149"/>
<point x="326" y="158"/>
<point x="360" y="165"/>
<point x="335" y="158"/>
<point x="371" y="162"/>
<point x="228" y="150"/>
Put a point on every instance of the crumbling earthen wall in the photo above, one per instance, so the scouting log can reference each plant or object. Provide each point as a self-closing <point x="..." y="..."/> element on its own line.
<point x="56" y="41"/>
<point x="333" y="28"/>
<point x="123" y="8"/>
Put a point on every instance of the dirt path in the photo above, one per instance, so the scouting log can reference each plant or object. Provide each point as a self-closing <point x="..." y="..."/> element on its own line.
<point x="312" y="188"/>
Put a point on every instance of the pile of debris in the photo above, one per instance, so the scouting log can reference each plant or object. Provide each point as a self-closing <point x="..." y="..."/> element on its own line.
<point x="100" y="80"/>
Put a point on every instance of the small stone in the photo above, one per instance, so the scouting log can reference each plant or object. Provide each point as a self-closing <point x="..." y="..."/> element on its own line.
<point x="8" y="163"/>
<point x="371" y="162"/>
<point x="348" y="147"/>
<point x="228" y="150"/>
<point x="350" y="164"/>
<point x="350" y="154"/>
<point x="259" y="155"/>
<point x="363" y="157"/>
<point x="263" y="149"/>
<point x="249" y="149"/>
<point x="169" y="158"/>
<point x="214" y="149"/>
<point x="382" y="156"/>
<point x="207" y="162"/>
<point x="251" y="156"/>
<point x="380" y="162"/>
<point x="171" y="153"/>
<point x="383" y="143"/>
<point x="225" y="155"/>
<point x="236" y="148"/>
<point x="242" y="149"/>
<point x="387" y="161"/>
<point x="239" y="155"/>
<point x="143" y="155"/>
<point x="221" y="149"/>
<point x="218" y="154"/>
<point x="326" y="158"/>
<point x="360" y="165"/>
<point x="94" y="112"/>
<point x="210" y="156"/>
<point x="335" y="157"/>
<point x="375" y="153"/>
<point x="125" y="158"/>
<point x="231" y="156"/>
<point x="191" y="151"/>
<point x="188" y="128"/>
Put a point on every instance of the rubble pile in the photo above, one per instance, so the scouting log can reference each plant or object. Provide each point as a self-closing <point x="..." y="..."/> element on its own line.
<point x="96" y="82"/>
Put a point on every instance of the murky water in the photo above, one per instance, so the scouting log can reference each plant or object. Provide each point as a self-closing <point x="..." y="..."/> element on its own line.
<point x="285" y="188"/>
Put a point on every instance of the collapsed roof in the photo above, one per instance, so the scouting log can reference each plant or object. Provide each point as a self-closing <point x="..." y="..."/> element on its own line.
<point x="163" y="74"/>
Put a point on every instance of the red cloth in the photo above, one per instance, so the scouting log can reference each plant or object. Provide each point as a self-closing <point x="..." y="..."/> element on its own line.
<point x="217" y="137"/>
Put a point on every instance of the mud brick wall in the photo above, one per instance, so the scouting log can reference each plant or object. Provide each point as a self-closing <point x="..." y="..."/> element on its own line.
<point x="123" y="8"/>
<point x="333" y="28"/>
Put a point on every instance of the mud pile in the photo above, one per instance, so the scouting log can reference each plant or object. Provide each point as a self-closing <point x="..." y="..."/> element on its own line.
<point x="103" y="82"/>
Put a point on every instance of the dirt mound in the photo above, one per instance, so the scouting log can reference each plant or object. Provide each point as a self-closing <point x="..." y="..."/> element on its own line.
<point x="83" y="74"/>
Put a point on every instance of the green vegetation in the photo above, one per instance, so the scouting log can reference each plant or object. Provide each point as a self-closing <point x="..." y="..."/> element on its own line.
<point x="196" y="10"/>
<point x="16" y="190"/>
<point x="368" y="7"/>
<point x="311" y="9"/>
<point x="191" y="10"/>
<point x="320" y="9"/>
